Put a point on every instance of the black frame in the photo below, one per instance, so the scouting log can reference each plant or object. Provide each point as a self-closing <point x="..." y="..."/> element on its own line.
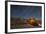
<point x="23" y="2"/>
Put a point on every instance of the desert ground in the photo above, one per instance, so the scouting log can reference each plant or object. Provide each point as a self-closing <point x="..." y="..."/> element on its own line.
<point x="30" y="22"/>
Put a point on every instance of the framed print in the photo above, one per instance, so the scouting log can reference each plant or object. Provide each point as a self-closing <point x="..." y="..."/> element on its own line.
<point x="24" y="16"/>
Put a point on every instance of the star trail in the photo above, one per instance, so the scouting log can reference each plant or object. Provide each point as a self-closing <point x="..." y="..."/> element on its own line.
<point x="26" y="11"/>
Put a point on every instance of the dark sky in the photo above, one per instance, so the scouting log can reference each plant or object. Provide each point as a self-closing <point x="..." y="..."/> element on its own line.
<point x="26" y="11"/>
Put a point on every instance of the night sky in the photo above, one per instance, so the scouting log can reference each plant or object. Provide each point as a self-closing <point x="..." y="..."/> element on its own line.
<point x="26" y="11"/>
